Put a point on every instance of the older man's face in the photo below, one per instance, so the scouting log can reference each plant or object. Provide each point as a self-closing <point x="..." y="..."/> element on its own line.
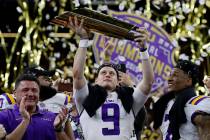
<point x="30" y="89"/>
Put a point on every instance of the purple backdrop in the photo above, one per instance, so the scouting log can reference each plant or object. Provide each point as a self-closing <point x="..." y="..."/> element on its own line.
<point x="161" y="49"/>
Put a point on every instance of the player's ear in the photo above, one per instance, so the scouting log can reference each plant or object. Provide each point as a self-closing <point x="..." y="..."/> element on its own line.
<point x="189" y="81"/>
<point x="14" y="92"/>
<point x="96" y="80"/>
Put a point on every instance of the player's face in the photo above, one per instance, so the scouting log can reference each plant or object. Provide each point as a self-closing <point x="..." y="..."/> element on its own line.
<point x="107" y="78"/>
<point x="30" y="89"/>
<point x="178" y="80"/>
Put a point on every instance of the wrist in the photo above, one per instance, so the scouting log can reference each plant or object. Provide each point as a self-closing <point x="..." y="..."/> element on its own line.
<point x="83" y="43"/>
<point x="144" y="48"/>
<point x="58" y="129"/>
<point x="25" y="120"/>
<point x="144" y="55"/>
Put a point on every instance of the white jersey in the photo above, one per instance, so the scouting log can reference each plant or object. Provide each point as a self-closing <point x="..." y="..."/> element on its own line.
<point x="187" y="131"/>
<point x="111" y="121"/>
<point x="6" y="101"/>
<point x="165" y="122"/>
<point x="55" y="103"/>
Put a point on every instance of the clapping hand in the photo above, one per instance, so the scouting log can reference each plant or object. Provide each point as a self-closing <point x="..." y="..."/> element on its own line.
<point x="24" y="113"/>
<point x="61" y="118"/>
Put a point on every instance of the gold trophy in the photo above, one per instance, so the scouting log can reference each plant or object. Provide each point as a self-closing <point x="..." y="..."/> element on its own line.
<point x="98" y="22"/>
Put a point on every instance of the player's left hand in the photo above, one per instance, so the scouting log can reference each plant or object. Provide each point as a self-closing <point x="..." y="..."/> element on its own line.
<point x="60" y="118"/>
<point x="125" y="80"/>
<point x="141" y="37"/>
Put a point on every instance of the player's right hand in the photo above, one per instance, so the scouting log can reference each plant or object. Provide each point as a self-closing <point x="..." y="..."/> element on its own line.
<point x="78" y="27"/>
<point x="24" y="113"/>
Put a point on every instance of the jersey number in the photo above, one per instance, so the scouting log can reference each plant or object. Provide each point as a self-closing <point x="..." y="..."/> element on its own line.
<point x="112" y="117"/>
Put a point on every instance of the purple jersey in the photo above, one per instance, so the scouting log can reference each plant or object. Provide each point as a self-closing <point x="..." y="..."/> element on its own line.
<point x="40" y="127"/>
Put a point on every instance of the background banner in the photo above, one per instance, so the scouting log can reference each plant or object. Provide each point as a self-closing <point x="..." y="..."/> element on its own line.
<point x="161" y="49"/>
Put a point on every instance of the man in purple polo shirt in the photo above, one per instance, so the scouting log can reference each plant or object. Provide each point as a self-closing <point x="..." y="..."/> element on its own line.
<point x="26" y="121"/>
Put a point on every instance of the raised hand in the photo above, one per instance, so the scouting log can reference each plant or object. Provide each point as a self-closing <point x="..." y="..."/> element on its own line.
<point x="24" y="113"/>
<point x="125" y="80"/>
<point x="141" y="37"/>
<point x="78" y="27"/>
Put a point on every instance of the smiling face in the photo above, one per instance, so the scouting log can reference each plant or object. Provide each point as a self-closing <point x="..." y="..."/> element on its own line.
<point x="178" y="80"/>
<point x="30" y="89"/>
<point x="107" y="78"/>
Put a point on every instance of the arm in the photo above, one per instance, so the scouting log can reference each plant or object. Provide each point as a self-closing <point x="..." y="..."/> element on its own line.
<point x="67" y="134"/>
<point x="69" y="131"/>
<point x="147" y="71"/>
<point x="78" y="68"/>
<point x="62" y="126"/>
<point x="144" y="86"/>
<point x="125" y="80"/>
<point x="20" y="130"/>
<point x="202" y="122"/>
<point x="80" y="57"/>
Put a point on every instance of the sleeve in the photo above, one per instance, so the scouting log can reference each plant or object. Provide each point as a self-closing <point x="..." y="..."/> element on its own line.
<point x="200" y="106"/>
<point x="138" y="100"/>
<point x="79" y="96"/>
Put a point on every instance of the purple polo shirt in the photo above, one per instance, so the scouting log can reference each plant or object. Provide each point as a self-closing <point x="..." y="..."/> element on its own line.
<point x="40" y="127"/>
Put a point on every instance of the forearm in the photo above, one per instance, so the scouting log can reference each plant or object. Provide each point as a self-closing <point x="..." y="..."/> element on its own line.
<point x="18" y="133"/>
<point x="79" y="62"/>
<point x="147" y="71"/>
<point x="148" y="75"/>
<point x="203" y="127"/>
<point x="78" y="67"/>
<point x="202" y="123"/>
<point x="68" y="130"/>
<point x="62" y="136"/>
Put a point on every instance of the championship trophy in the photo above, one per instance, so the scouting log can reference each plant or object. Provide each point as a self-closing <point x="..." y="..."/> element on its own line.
<point x="98" y="22"/>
